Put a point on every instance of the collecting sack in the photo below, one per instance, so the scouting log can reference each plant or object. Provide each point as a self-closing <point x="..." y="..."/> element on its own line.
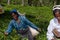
<point x="33" y="31"/>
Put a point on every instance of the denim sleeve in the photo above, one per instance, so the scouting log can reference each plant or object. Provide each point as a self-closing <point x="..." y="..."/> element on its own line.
<point x="9" y="29"/>
<point x="30" y="23"/>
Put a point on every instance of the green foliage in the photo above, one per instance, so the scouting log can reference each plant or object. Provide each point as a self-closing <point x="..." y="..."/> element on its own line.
<point x="33" y="2"/>
<point x="40" y="16"/>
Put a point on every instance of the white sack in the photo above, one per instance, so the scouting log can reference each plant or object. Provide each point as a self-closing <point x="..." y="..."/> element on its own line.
<point x="33" y="31"/>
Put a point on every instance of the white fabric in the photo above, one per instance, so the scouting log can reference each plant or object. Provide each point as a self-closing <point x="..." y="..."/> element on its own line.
<point x="33" y="31"/>
<point x="20" y="13"/>
<point x="53" y="24"/>
<point x="56" y="7"/>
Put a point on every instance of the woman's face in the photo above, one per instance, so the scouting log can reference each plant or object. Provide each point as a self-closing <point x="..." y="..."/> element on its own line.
<point x="57" y="15"/>
<point x="14" y="16"/>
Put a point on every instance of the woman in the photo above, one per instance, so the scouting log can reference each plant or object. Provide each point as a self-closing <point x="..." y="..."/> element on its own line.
<point x="21" y="24"/>
<point x="53" y="32"/>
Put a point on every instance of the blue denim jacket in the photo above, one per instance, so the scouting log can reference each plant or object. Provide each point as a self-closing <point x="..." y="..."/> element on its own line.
<point x="24" y="23"/>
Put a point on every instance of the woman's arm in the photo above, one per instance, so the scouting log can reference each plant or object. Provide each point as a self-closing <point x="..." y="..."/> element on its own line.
<point x="50" y="35"/>
<point x="31" y="24"/>
<point x="9" y="29"/>
<point x="57" y="34"/>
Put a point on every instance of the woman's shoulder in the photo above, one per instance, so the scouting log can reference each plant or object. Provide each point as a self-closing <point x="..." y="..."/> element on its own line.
<point x="52" y="20"/>
<point x="22" y="17"/>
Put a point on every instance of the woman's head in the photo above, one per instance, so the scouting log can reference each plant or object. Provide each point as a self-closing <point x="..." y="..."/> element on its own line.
<point x="14" y="14"/>
<point x="56" y="11"/>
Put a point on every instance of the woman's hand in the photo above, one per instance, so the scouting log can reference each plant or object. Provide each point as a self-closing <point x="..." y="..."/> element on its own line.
<point x="52" y="39"/>
<point x="39" y="30"/>
<point x="6" y="33"/>
<point x="57" y="34"/>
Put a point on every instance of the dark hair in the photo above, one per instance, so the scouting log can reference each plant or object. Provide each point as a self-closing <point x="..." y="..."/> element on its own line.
<point x="56" y="10"/>
<point x="15" y="13"/>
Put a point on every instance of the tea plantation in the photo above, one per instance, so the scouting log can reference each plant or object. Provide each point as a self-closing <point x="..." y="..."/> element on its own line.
<point x="40" y="16"/>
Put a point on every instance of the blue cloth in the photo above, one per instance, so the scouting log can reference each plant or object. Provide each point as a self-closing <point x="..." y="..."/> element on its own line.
<point x="12" y="11"/>
<point x="24" y="23"/>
